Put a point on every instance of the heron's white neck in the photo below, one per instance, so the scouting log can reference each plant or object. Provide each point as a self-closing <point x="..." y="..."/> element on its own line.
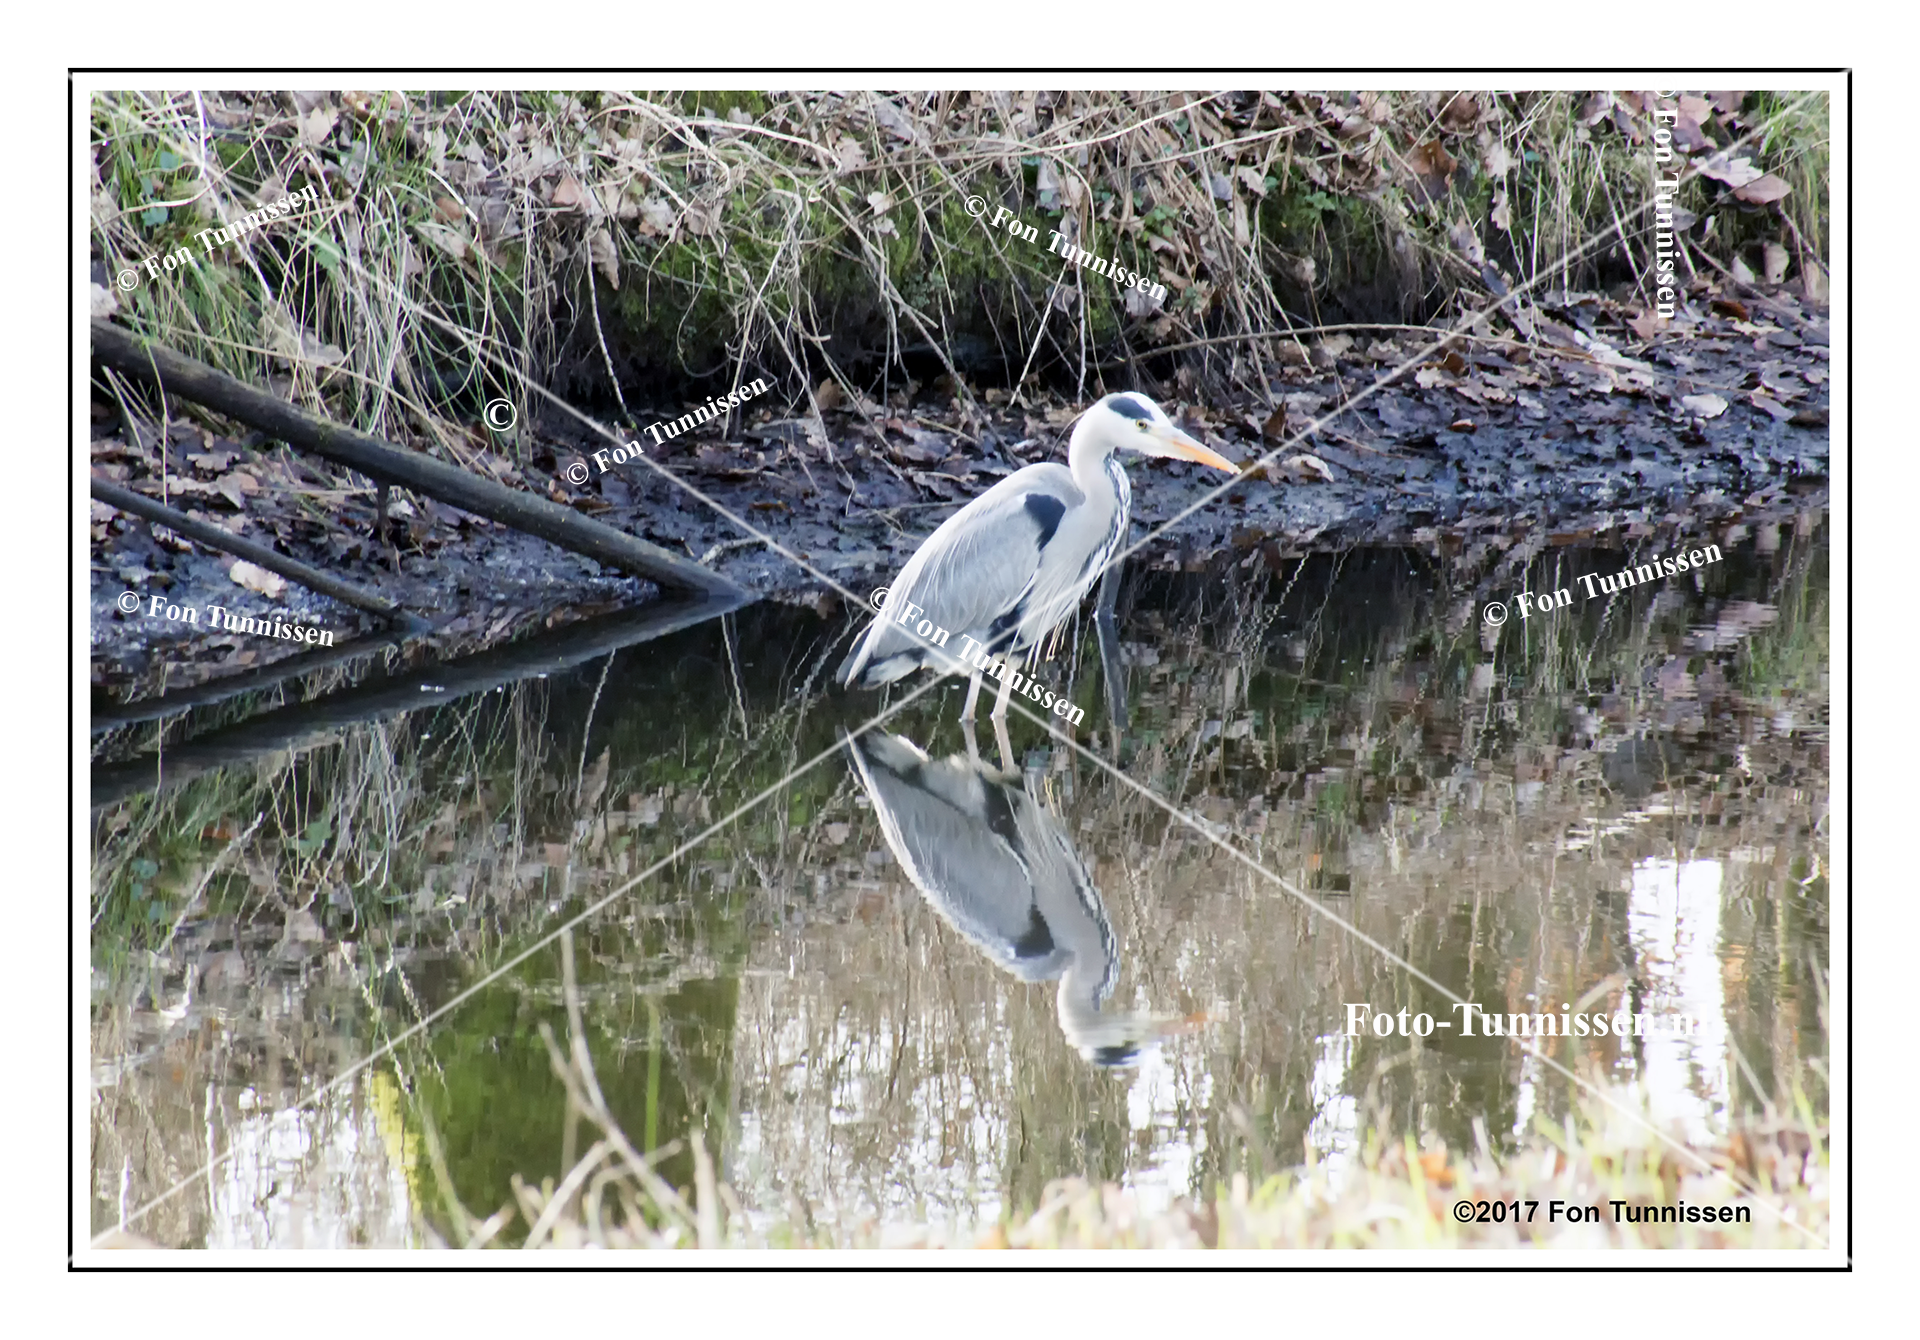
<point x="1087" y="453"/>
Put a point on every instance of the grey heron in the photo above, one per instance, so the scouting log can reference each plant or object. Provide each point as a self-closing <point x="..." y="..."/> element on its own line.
<point x="998" y="868"/>
<point x="1011" y="565"/>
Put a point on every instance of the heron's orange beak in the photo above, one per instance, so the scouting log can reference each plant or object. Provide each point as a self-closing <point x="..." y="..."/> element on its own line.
<point x="1177" y="444"/>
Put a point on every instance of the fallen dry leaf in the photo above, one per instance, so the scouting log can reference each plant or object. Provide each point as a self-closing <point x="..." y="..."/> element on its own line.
<point x="1306" y="467"/>
<point x="1773" y="261"/>
<point x="606" y="257"/>
<point x="1707" y="406"/>
<point x="1763" y="190"/>
<point x="316" y="125"/>
<point x="236" y="486"/>
<point x="254" y="578"/>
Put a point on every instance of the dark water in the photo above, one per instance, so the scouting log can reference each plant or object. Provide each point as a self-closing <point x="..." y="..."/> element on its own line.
<point x="909" y="987"/>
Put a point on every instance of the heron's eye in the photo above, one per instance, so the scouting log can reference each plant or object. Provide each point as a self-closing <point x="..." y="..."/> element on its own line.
<point x="1142" y="425"/>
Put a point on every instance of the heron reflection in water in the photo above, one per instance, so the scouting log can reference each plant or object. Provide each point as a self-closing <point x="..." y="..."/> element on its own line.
<point x="999" y="869"/>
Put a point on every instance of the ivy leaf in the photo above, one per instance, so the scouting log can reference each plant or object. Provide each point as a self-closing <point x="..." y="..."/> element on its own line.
<point x="169" y="161"/>
<point x="154" y="217"/>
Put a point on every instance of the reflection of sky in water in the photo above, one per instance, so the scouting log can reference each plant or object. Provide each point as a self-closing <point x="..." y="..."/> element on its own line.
<point x="308" y="1178"/>
<point x="1673" y="921"/>
<point x="1169" y="1085"/>
<point x="1336" y="1115"/>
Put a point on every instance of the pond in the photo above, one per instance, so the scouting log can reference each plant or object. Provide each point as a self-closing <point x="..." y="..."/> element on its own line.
<point x="904" y="985"/>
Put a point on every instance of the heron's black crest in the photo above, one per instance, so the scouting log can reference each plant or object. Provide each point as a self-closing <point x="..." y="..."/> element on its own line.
<point x="1130" y="406"/>
<point x="1047" y="510"/>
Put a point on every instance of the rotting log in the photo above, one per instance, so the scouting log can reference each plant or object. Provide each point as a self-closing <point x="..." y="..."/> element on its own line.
<point x="258" y="554"/>
<point x="190" y="379"/>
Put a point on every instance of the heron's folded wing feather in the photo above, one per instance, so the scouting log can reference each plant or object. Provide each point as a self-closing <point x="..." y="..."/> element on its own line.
<point x="981" y="563"/>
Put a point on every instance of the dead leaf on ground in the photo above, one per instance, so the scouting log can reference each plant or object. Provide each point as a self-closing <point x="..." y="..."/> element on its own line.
<point x="254" y="578"/>
<point x="285" y="338"/>
<point x="317" y="124"/>
<point x="656" y="218"/>
<point x="236" y="486"/>
<point x="606" y="257"/>
<point x="1433" y="165"/>
<point x="1763" y="190"/>
<point x="1708" y="406"/>
<point x="1774" y="261"/>
<point x="567" y="193"/>
<point x="1305" y="466"/>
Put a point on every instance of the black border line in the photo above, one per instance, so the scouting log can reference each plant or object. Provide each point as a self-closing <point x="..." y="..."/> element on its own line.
<point x="1132" y="1259"/>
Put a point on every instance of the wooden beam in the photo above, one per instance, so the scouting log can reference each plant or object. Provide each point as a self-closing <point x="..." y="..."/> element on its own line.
<point x="215" y="538"/>
<point x="190" y="379"/>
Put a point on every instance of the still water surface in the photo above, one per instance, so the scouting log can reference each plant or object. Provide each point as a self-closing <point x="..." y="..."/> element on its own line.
<point x="913" y="988"/>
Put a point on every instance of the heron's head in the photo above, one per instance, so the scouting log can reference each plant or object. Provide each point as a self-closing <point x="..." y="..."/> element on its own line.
<point x="1129" y="420"/>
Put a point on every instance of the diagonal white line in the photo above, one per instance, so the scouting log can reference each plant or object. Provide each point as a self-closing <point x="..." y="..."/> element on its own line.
<point x="440" y="1012"/>
<point x="1464" y="324"/>
<point x="1205" y="831"/>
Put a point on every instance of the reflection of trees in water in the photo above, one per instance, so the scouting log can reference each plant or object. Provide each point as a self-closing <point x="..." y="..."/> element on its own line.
<point x="662" y="1057"/>
<point x="1481" y="811"/>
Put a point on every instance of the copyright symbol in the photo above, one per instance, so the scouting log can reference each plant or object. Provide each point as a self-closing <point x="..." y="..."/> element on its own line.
<point x="977" y="205"/>
<point x="576" y="473"/>
<point x="128" y="602"/>
<point x="879" y="598"/>
<point x="1496" y="615"/>
<point x="499" y="415"/>
<point x="128" y="280"/>
<point x="1463" y="1211"/>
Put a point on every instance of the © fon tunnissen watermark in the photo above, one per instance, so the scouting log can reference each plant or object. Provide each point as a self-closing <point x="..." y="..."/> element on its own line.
<point x="219" y="617"/>
<point x="1665" y="189"/>
<point x="977" y="657"/>
<point x="211" y="239"/>
<point x="1067" y="251"/>
<point x="608" y="457"/>
<point x="1672" y="565"/>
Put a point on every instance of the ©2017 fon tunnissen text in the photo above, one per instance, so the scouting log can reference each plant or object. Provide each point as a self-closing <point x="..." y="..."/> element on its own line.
<point x="994" y="667"/>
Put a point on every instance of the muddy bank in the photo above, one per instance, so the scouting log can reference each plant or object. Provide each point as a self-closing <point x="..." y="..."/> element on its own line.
<point x="1518" y="445"/>
<point x="1492" y="437"/>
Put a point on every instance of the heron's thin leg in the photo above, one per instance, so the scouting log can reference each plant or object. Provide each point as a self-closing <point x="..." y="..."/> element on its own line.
<point x="1112" y="671"/>
<point x="1006" y="745"/>
<point x="1006" y="692"/>
<point x="973" y="696"/>
<point x="966" y="733"/>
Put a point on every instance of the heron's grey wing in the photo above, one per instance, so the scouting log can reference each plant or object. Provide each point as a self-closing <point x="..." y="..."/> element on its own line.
<point x="971" y="571"/>
<point x="952" y="828"/>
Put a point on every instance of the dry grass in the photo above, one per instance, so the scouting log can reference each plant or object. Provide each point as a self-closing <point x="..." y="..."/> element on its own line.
<point x="820" y="234"/>
<point x="1573" y="1182"/>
